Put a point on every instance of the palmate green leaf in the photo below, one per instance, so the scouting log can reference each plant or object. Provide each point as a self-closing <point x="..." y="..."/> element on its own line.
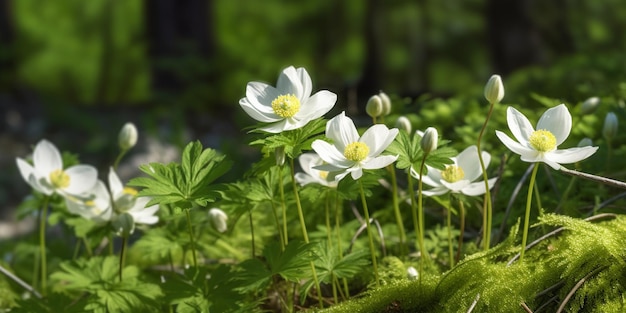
<point x="406" y="148"/>
<point x="156" y="245"/>
<point x="98" y="277"/>
<point x="329" y="262"/>
<point x="185" y="183"/>
<point x="294" y="141"/>
<point x="292" y="264"/>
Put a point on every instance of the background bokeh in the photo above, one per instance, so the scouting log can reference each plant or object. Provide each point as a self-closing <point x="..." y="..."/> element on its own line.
<point x="75" y="71"/>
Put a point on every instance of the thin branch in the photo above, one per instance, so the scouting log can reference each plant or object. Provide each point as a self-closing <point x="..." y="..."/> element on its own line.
<point x="573" y="291"/>
<point x="525" y="307"/>
<point x="20" y="282"/>
<point x="471" y="308"/>
<point x="599" y="179"/>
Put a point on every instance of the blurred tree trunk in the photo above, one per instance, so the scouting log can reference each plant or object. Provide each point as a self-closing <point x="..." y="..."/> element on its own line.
<point x="8" y="64"/>
<point x="513" y="39"/>
<point x="177" y="29"/>
<point x="373" y="71"/>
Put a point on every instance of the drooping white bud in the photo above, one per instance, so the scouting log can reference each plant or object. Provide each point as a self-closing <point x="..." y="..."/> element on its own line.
<point x="494" y="90"/>
<point x="374" y="106"/>
<point x="128" y="136"/>
<point x="412" y="273"/>
<point x="386" y="103"/>
<point x="219" y="219"/>
<point x="609" y="130"/>
<point x="590" y="105"/>
<point x="403" y="122"/>
<point x="429" y="140"/>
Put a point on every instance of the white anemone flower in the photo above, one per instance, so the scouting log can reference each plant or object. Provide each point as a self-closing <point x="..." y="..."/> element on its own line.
<point x="311" y="175"/>
<point x="541" y="145"/>
<point x="458" y="177"/>
<point x="47" y="175"/>
<point x="351" y="154"/>
<point x="125" y="200"/>
<point x="95" y="206"/>
<point x="290" y="104"/>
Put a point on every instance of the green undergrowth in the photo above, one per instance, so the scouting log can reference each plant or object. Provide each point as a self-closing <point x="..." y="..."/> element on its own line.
<point x="578" y="266"/>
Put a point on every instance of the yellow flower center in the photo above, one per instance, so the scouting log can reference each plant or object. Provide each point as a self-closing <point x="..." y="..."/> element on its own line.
<point x="59" y="179"/>
<point x="452" y="173"/>
<point x="129" y="191"/>
<point x="323" y="175"/>
<point x="286" y="105"/>
<point x="356" y="151"/>
<point x="542" y="140"/>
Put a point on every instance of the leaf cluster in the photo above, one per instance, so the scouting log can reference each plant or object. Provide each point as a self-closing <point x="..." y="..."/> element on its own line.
<point x="410" y="154"/>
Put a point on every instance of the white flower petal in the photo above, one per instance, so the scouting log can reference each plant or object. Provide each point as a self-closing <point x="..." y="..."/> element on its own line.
<point x="277" y="127"/>
<point x="469" y="162"/>
<point x="330" y="154"/>
<point x="519" y="125"/>
<point x="304" y="179"/>
<point x="456" y="186"/>
<point x="115" y="184"/>
<point x="478" y="188"/>
<point x="317" y="105"/>
<point x="355" y="172"/>
<point x="256" y="112"/>
<point x="289" y="83"/>
<point x="46" y="158"/>
<point x="571" y="155"/>
<point x="342" y="131"/>
<point x="437" y="191"/>
<point x="82" y="179"/>
<point x="32" y="178"/>
<point x="378" y="138"/>
<point x="143" y="215"/>
<point x="261" y="95"/>
<point x="558" y="121"/>
<point x="513" y="145"/>
<point x="379" y="162"/>
<point x="307" y="85"/>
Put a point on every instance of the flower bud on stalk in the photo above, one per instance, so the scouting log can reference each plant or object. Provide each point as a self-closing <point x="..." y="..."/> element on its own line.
<point x="219" y="219"/>
<point x="386" y="103"/>
<point x="279" y="154"/>
<point x="429" y="140"/>
<point x="128" y="136"/>
<point x="403" y="123"/>
<point x="610" y="126"/>
<point x="374" y="106"/>
<point x="494" y="90"/>
<point x="411" y="273"/>
<point x="589" y="105"/>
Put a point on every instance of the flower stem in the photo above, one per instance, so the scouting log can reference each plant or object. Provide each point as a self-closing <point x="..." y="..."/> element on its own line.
<point x="191" y="239"/>
<point x="304" y="232"/>
<point x="281" y="190"/>
<point x="527" y="214"/>
<point x="123" y="254"/>
<point x="251" y="232"/>
<point x="487" y="205"/>
<point x="327" y="216"/>
<point x="42" y="244"/>
<point x="396" y="210"/>
<point x="369" y="233"/>
<point x="449" y="226"/>
<point x="118" y="159"/>
<point x="462" y="228"/>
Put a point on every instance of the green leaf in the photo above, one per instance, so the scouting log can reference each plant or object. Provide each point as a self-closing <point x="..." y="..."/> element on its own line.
<point x="186" y="183"/>
<point x="294" y="141"/>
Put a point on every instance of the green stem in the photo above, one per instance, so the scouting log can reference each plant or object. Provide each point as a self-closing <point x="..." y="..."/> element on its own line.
<point x="462" y="228"/>
<point x="42" y="245"/>
<point x="87" y="247"/>
<point x="191" y="239"/>
<point x="527" y="214"/>
<point x="488" y="213"/>
<point x="338" y="231"/>
<point x="281" y="190"/>
<point x="123" y="255"/>
<point x="369" y="233"/>
<point x="396" y="210"/>
<point x="304" y="232"/>
<point x="251" y="232"/>
<point x="278" y="227"/>
<point x="118" y="159"/>
<point x="449" y="226"/>
<point x="327" y="216"/>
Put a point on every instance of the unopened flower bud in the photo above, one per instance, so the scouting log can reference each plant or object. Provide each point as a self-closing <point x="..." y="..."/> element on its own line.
<point x="404" y="123"/>
<point x="128" y="136"/>
<point x="610" y="126"/>
<point x="386" y="103"/>
<point x="411" y="273"/>
<point x="374" y="107"/>
<point x="123" y="225"/>
<point x="219" y="219"/>
<point x="429" y="140"/>
<point x="494" y="90"/>
<point x="589" y="105"/>
<point x="585" y="142"/>
<point x="279" y="154"/>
